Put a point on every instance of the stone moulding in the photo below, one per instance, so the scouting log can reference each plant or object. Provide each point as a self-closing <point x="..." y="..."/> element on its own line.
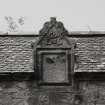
<point x="52" y="44"/>
<point x="46" y="58"/>
<point x="53" y="33"/>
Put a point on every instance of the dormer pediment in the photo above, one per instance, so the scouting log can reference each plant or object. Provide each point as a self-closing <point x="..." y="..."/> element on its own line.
<point x="53" y="34"/>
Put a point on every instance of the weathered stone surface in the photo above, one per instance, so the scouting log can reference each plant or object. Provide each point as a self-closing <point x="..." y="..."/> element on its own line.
<point x="93" y="92"/>
<point x="26" y="93"/>
<point x="16" y="54"/>
<point x="16" y="93"/>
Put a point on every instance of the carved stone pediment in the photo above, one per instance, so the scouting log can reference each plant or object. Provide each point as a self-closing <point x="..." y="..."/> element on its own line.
<point x="52" y="33"/>
<point x="53" y="54"/>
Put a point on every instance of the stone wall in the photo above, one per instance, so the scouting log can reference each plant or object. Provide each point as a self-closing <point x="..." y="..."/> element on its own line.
<point x="93" y="92"/>
<point x="16" y="55"/>
<point x="27" y="93"/>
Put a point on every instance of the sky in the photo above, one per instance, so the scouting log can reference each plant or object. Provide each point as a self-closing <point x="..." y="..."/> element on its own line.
<point x="77" y="15"/>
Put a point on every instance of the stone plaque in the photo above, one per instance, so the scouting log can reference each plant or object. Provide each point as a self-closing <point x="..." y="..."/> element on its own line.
<point x="54" y="65"/>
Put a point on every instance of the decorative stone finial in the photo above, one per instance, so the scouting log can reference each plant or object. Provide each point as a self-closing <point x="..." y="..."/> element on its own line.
<point x="53" y="32"/>
<point x="53" y="19"/>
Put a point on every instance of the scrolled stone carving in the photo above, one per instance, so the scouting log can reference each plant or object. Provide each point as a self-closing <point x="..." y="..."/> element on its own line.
<point x="53" y="32"/>
<point x="44" y="99"/>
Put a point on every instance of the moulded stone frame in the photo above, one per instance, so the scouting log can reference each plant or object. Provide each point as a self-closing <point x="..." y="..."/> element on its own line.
<point x="39" y="64"/>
